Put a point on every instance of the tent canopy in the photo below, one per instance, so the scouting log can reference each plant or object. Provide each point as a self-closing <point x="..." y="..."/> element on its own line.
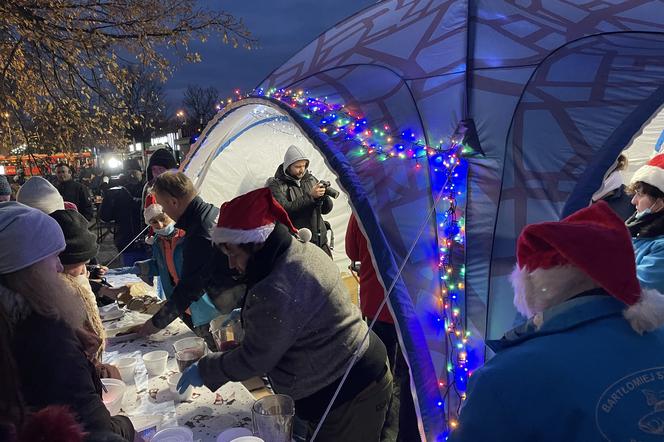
<point x="555" y="90"/>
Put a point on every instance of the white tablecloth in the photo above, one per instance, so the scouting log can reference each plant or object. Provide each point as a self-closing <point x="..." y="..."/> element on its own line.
<point x="149" y="399"/>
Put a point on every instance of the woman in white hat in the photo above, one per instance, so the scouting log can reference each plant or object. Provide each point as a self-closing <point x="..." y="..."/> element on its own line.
<point x="647" y="224"/>
<point x="40" y="311"/>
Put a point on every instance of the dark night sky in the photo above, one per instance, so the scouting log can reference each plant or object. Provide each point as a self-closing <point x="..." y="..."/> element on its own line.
<point x="282" y="27"/>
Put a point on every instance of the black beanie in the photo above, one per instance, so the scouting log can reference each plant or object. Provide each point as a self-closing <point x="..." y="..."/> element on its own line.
<point x="81" y="243"/>
<point x="161" y="157"/>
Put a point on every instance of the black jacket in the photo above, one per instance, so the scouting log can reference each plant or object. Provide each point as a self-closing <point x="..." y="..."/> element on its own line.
<point x="198" y="255"/>
<point x="303" y="210"/>
<point x="621" y="202"/>
<point x="119" y="206"/>
<point x="78" y="194"/>
<point x="53" y="368"/>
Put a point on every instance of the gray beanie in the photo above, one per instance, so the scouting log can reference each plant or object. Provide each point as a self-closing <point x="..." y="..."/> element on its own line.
<point x="27" y="236"/>
<point x="40" y="194"/>
<point x="293" y="154"/>
<point x="5" y="189"/>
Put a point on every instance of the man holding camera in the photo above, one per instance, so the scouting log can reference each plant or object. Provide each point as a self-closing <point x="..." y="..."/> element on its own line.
<point x="304" y="197"/>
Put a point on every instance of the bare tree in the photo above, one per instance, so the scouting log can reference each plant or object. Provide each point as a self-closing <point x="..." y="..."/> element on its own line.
<point x="200" y="104"/>
<point x="63" y="62"/>
<point x="145" y="101"/>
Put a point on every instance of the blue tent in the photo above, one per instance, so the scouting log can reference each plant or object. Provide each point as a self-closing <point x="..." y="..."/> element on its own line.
<point x="502" y="113"/>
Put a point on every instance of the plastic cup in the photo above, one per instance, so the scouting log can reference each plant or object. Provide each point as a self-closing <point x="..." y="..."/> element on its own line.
<point x="188" y="351"/>
<point x="272" y="418"/>
<point x="174" y="434"/>
<point x="113" y="397"/>
<point x="155" y="362"/>
<point x="248" y="439"/>
<point x="126" y="367"/>
<point x="227" y="335"/>
<point x="173" y="386"/>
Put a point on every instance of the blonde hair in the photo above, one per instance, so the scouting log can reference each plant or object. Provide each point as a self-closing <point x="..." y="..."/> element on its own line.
<point x="47" y="293"/>
<point x="174" y="183"/>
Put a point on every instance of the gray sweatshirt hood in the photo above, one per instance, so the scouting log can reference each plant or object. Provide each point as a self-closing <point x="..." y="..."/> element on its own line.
<point x="293" y="154"/>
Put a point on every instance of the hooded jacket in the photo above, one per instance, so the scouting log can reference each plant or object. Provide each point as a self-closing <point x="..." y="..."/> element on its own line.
<point x="648" y="241"/>
<point x="303" y="210"/>
<point x="126" y="211"/>
<point x="53" y="368"/>
<point x="585" y="375"/>
<point x="78" y="194"/>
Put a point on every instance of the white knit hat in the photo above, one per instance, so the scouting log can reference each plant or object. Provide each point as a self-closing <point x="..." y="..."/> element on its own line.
<point x="40" y="194"/>
<point x="27" y="236"/>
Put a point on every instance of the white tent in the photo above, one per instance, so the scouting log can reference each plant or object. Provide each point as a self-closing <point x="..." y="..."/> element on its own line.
<point x="642" y="147"/>
<point x="243" y="147"/>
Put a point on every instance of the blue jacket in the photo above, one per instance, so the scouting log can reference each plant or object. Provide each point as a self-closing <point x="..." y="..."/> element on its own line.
<point x="203" y="310"/>
<point x="650" y="262"/>
<point x="585" y="376"/>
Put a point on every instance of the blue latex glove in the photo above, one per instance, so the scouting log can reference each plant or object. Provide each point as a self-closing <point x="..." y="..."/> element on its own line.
<point x="233" y="316"/>
<point x="191" y="376"/>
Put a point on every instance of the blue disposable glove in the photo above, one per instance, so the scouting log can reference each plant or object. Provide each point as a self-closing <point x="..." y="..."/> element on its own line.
<point x="191" y="376"/>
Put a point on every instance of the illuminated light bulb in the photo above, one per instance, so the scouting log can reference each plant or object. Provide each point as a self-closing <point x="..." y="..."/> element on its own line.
<point x="454" y="424"/>
<point x="441" y="384"/>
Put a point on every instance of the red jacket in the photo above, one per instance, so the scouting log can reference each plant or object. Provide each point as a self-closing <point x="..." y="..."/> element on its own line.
<point x="371" y="292"/>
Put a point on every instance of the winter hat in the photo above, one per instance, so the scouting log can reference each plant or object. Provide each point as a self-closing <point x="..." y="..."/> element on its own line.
<point x="250" y="218"/>
<point x="294" y="154"/>
<point x="5" y="188"/>
<point x="651" y="173"/>
<point x="161" y="157"/>
<point x="152" y="209"/>
<point x="81" y="243"/>
<point x="595" y="241"/>
<point x="40" y="194"/>
<point x="27" y="236"/>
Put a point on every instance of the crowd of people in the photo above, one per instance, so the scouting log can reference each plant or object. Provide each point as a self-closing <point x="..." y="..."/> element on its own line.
<point x="588" y="284"/>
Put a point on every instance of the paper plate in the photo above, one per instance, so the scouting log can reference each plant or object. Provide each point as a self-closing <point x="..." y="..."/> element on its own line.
<point x="233" y="433"/>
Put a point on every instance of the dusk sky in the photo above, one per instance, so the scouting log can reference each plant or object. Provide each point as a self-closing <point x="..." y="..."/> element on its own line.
<point x="282" y="27"/>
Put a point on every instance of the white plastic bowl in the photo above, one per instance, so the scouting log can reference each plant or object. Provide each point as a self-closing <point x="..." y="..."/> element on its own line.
<point x="174" y="434"/>
<point x="126" y="367"/>
<point x="155" y="362"/>
<point x="173" y="386"/>
<point x="113" y="398"/>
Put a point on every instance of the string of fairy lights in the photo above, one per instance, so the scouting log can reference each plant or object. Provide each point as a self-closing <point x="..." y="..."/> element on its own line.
<point x="448" y="172"/>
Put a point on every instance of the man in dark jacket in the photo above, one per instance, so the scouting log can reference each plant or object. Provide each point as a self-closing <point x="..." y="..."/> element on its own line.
<point x="304" y="197"/>
<point x="175" y="192"/>
<point x="121" y="207"/>
<point x="73" y="191"/>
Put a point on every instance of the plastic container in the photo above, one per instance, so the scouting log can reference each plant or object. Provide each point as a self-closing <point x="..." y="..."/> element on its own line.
<point x="126" y="367"/>
<point x="113" y="397"/>
<point x="248" y="439"/>
<point x="155" y="362"/>
<point x="174" y="434"/>
<point x="232" y="434"/>
<point x="173" y="386"/>
<point x="227" y="333"/>
<point x="272" y="418"/>
<point x="188" y="351"/>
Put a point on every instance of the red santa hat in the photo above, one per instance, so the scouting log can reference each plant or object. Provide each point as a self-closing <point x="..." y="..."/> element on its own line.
<point x="651" y="173"/>
<point x="595" y="242"/>
<point x="250" y="218"/>
<point x="151" y="209"/>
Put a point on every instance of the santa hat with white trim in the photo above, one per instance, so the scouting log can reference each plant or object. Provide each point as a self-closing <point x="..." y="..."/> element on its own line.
<point x="151" y="209"/>
<point x="592" y="245"/>
<point x="651" y="173"/>
<point x="250" y="218"/>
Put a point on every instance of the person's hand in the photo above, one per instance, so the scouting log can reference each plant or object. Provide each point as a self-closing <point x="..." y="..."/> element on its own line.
<point x="102" y="270"/>
<point x="317" y="191"/>
<point x="108" y="371"/>
<point x="190" y="377"/>
<point x="145" y="329"/>
<point x="113" y="293"/>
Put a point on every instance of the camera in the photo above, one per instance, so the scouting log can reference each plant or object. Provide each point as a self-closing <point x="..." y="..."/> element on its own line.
<point x="329" y="191"/>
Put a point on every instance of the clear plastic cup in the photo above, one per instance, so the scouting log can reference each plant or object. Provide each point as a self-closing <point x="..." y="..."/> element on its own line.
<point x="272" y="418"/>
<point x="188" y="351"/>
<point x="126" y="367"/>
<point x="155" y="362"/>
<point x="174" y="434"/>
<point x="227" y="334"/>
<point x="173" y="386"/>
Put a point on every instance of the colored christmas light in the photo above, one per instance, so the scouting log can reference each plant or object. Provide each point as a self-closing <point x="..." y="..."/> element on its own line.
<point x="448" y="173"/>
